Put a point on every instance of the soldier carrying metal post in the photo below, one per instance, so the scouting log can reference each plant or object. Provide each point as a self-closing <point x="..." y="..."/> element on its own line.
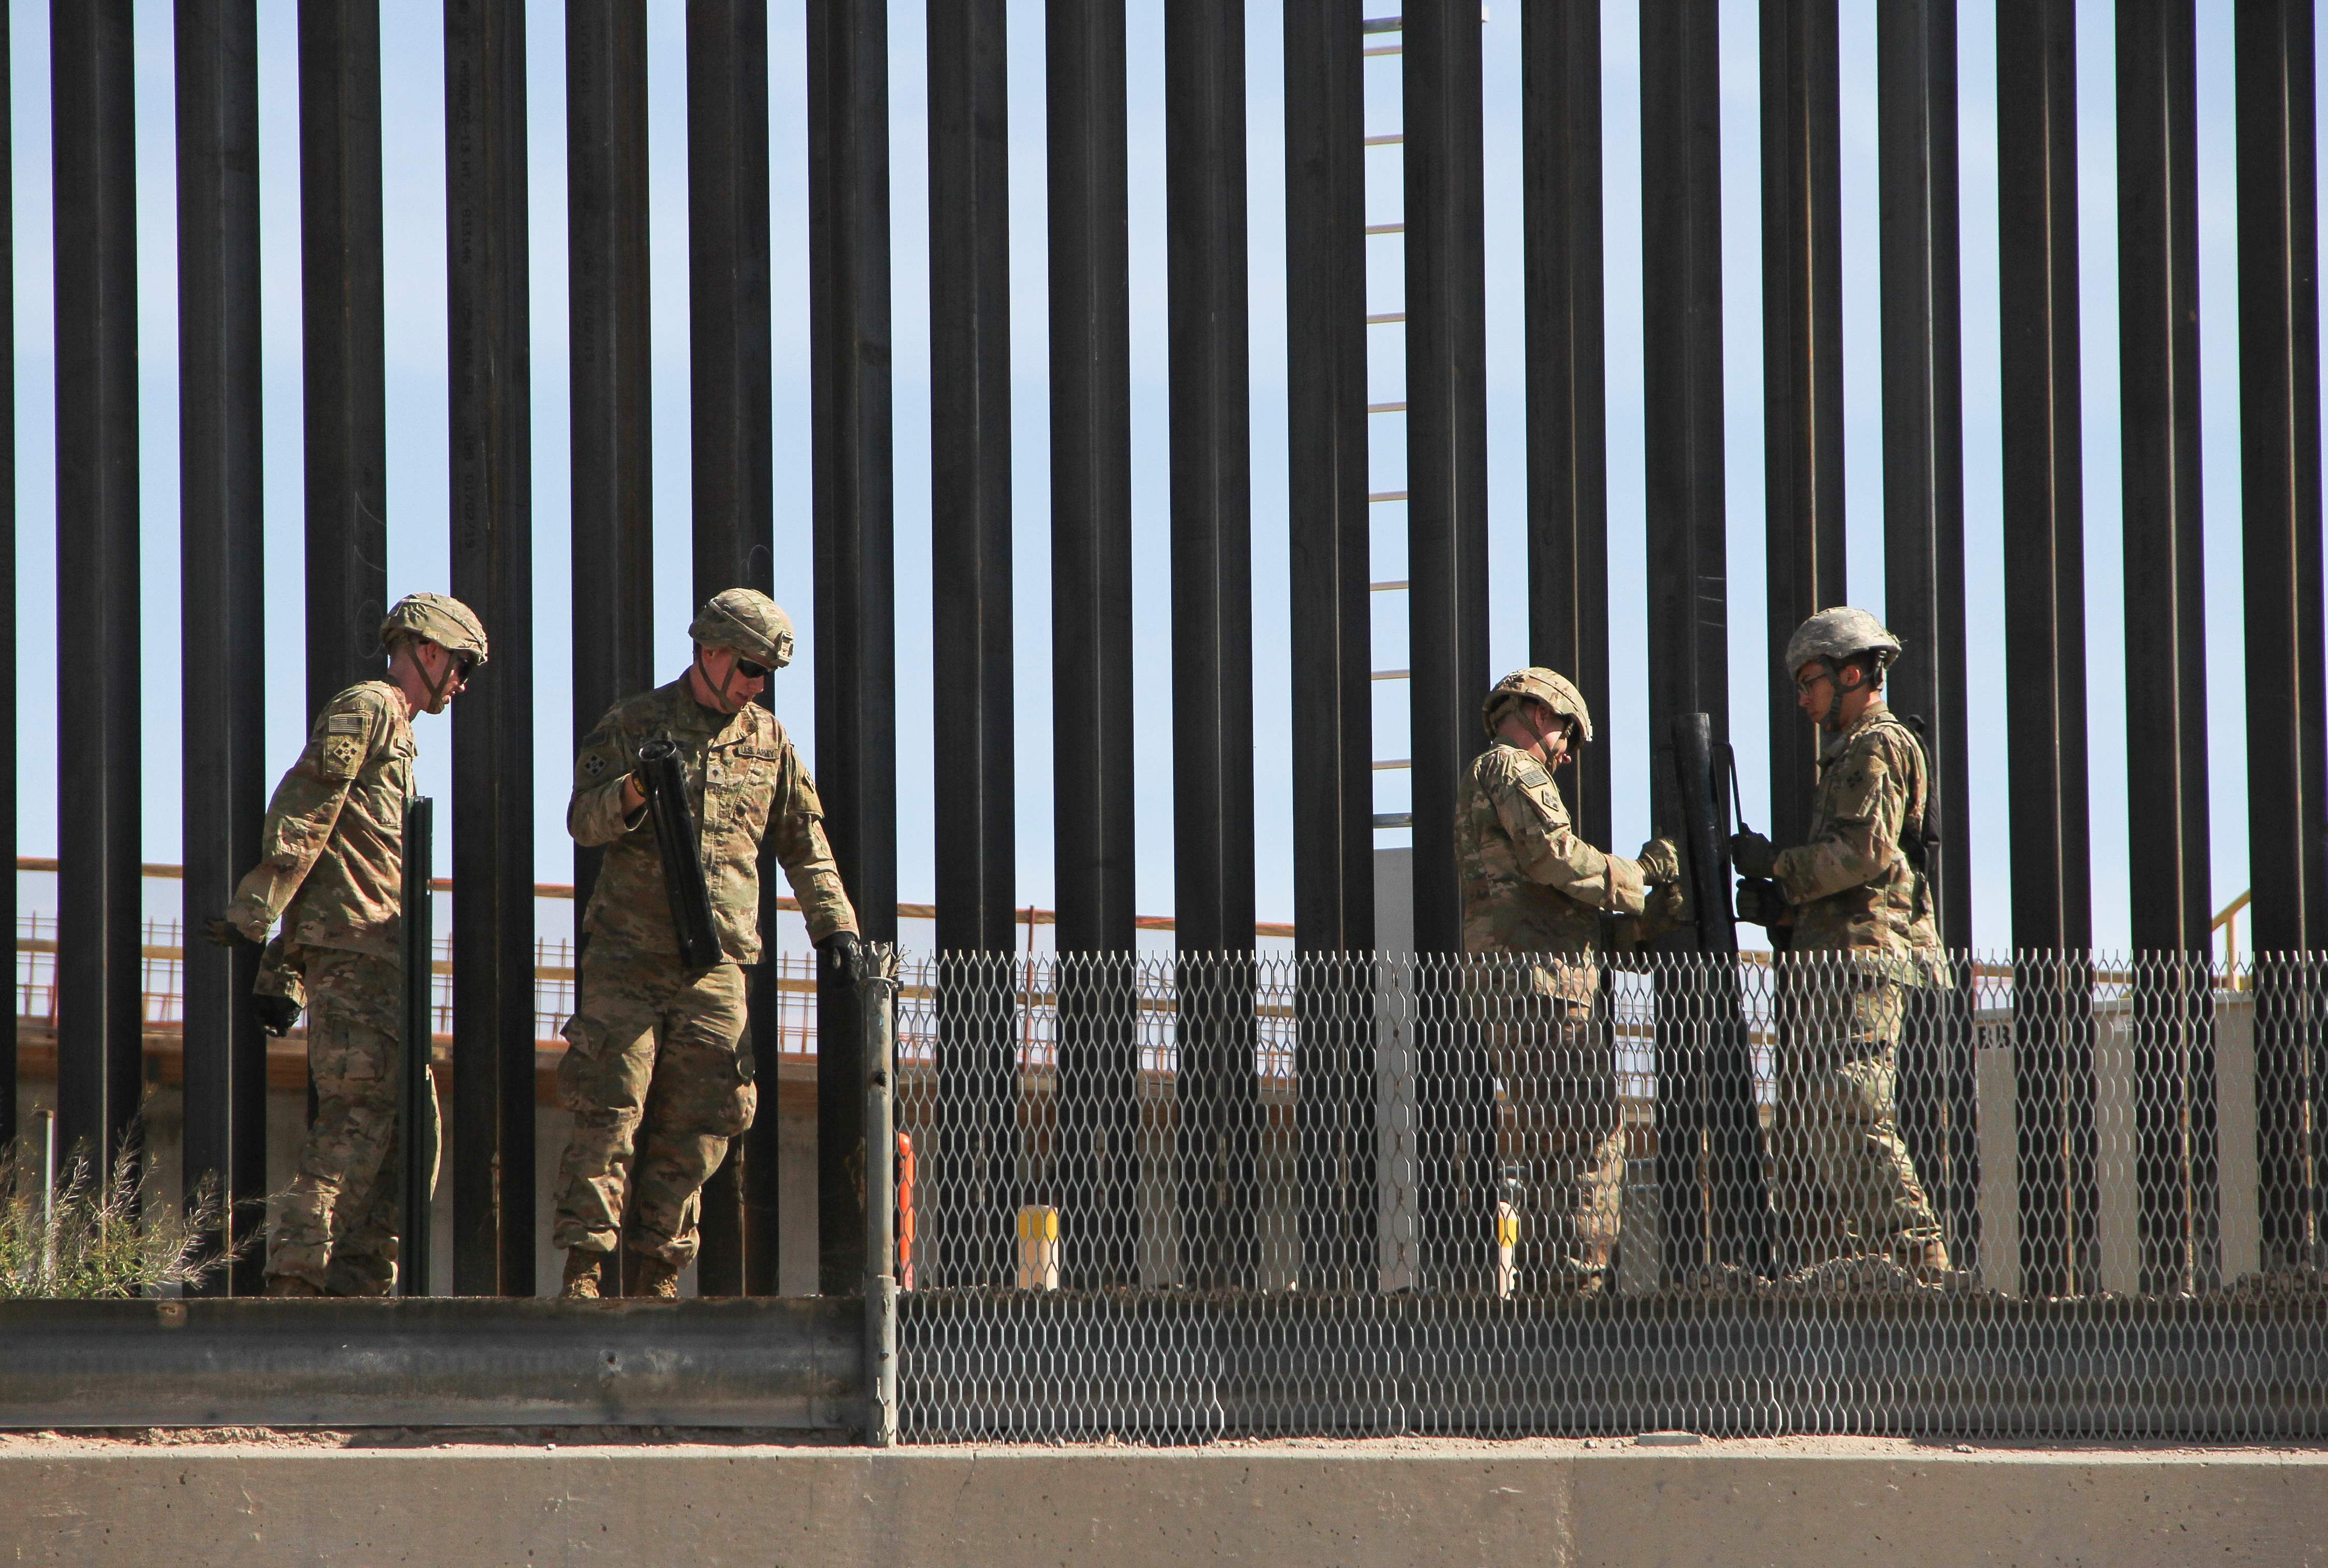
<point x="653" y="1028"/>
<point x="332" y="872"/>
<point x="1858" y="891"/>
<point x="1532" y="887"/>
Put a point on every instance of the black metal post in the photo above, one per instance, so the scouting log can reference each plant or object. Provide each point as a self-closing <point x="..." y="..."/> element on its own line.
<point x="1446" y="439"/>
<point x="856" y="615"/>
<point x="1331" y="678"/>
<point x="343" y="344"/>
<point x="8" y="698"/>
<point x="1212" y="611"/>
<point x="2165" y="644"/>
<point x="1923" y="552"/>
<point x="1091" y="634"/>
<point x="222" y="617"/>
<point x="2044" y="604"/>
<point x="2279" y="483"/>
<point x="493" y="1026"/>
<point x="1688" y="612"/>
<point x="413" y="1167"/>
<point x="608" y="308"/>
<point x="1567" y="389"/>
<point x="970" y="533"/>
<point x="733" y="479"/>
<point x="99" y="1026"/>
<point x="1802" y="368"/>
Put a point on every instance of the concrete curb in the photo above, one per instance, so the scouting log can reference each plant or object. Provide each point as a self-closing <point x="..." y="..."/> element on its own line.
<point x="1717" y="1506"/>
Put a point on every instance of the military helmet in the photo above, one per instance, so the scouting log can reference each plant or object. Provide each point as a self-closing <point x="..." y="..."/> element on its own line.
<point x="748" y="623"/>
<point x="438" y="618"/>
<point x="1548" y="687"/>
<point x="1835" y="637"/>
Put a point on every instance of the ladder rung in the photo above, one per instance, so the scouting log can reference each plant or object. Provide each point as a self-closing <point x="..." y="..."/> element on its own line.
<point x="1393" y="674"/>
<point x="1384" y="49"/>
<point x="1392" y="766"/>
<point x="1394" y="139"/>
<point x="1393" y="587"/>
<point x="1387" y="495"/>
<point x="1394" y="819"/>
<point x="1385" y="228"/>
<point x="1387" y="318"/>
<point x="1385" y="408"/>
<point x="1382" y="24"/>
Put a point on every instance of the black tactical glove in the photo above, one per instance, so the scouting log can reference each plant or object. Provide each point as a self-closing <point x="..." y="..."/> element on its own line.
<point x="277" y="1015"/>
<point x="221" y="931"/>
<point x="1759" y="902"/>
<point x="1750" y="855"/>
<point x="844" y="953"/>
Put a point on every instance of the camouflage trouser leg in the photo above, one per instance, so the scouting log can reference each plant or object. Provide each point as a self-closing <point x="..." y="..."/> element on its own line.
<point x="652" y="1039"/>
<point x="1846" y="1186"/>
<point x="338" y="1227"/>
<point x="1561" y="1133"/>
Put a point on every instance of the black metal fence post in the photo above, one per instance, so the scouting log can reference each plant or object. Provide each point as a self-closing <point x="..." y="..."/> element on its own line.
<point x="99" y="1011"/>
<point x="2279" y="485"/>
<point x="1091" y="637"/>
<point x="2044" y="626"/>
<point x="493" y="1021"/>
<point x="856" y="615"/>
<point x="1567" y="389"/>
<point x="1802" y="368"/>
<point x="221" y="618"/>
<point x="9" y="757"/>
<point x="733" y="482"/>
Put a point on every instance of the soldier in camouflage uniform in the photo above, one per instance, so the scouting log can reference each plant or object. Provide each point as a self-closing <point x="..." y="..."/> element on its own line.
<point x="653" y="1039"/>
<point x="1532" y="887"/>
<point x="333" y="873"/>
<point x="1862" y="918"/>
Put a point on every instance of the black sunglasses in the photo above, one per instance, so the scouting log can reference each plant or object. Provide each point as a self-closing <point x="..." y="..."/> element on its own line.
<point x="751" y="672"/>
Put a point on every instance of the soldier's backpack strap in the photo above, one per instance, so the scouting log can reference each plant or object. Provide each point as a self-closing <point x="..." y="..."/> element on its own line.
<point x="1919" y="836"/>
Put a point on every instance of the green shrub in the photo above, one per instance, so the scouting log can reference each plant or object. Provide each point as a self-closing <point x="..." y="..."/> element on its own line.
<point x="102" y="1237"/>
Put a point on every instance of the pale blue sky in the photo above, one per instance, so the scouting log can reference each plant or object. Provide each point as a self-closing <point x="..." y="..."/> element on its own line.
<point x="414" y="183"/>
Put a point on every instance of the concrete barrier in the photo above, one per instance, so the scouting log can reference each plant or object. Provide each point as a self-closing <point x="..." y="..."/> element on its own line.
<point x="1286" y="1505"/>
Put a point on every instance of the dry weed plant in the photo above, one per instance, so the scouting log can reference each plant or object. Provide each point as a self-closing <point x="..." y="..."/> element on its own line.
<point x="108" y="1236"/>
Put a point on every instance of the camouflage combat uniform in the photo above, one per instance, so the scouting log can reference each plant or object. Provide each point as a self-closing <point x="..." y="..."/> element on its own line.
<point x="1532" y="887"/>
<point x="1864" y="934"/>
<point x="649" y="1035"/>
<point x="332" y="869"/>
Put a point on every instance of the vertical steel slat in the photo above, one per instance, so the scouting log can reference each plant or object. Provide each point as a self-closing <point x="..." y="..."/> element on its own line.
<point x="2044" y="604"/>
<point x="734" y="477"/>
<point x="2280" y="492"/>
<point x="1447" y="561"/>
<point x="970" y="537"/>
<point x="856" y="615"/>
<point x="1331" y="677"/>
<point x="99" y="1026"/>
<point x="1212" y="611"/>
<point x="1688" y="612"/>
<point x="1091" y="626"/>
<point x="1567" y="389"/>
<point x="493" y="1026"/>
<point x="2166" y="643"/>
<point x="222" y="617"/>
<point x="1447" y="440"/>
<point x="1802" y="369"/>
<point x="9" y="844"/>
<point x="342" y="348"/>
<point x="608" y="304"/>
<point x="1923" y="546"/>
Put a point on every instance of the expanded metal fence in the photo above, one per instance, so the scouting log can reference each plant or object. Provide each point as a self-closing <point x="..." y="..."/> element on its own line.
<point x="1246" y="1195"/>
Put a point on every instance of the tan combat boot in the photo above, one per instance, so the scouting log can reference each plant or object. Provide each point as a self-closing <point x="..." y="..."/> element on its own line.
<point x="652" y="1278"/>
<point x="583" y="1277"/>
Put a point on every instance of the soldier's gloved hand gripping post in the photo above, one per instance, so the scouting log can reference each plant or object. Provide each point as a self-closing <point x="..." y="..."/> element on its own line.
<point x="1532" y="888"/>
<point x="333" y="873"/>
<point x="649" y="1025"/>
<point x="1844" y="1184"/>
